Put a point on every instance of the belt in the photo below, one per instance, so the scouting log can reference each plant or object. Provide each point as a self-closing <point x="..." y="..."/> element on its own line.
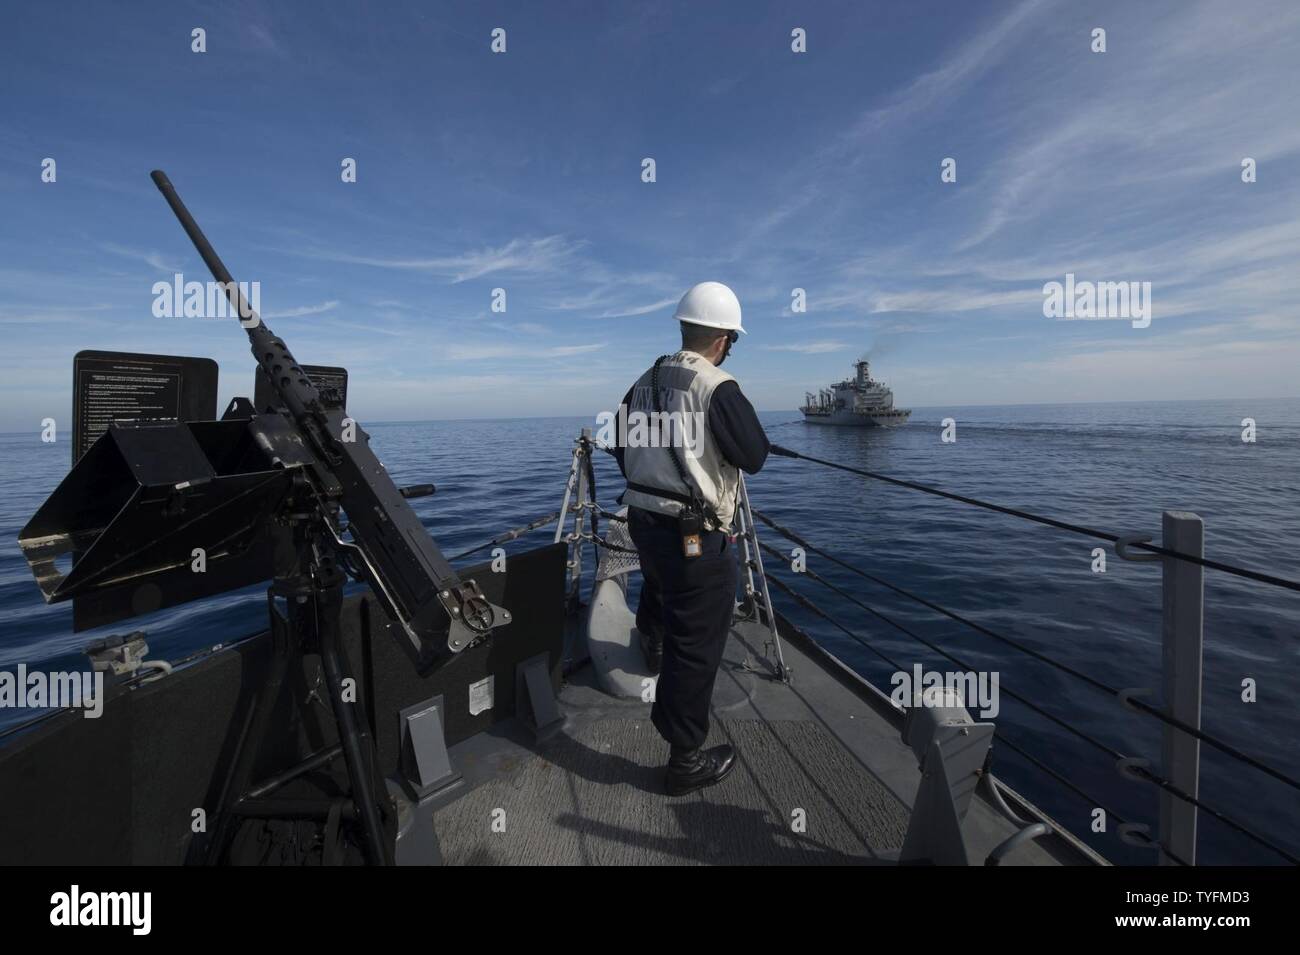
<point x="675" y="496"/>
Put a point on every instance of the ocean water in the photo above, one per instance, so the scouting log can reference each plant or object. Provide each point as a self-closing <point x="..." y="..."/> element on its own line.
<point x="1114" y="466"/>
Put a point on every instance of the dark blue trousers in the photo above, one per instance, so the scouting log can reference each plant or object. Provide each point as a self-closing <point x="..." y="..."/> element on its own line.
<point x="689" y="602"/>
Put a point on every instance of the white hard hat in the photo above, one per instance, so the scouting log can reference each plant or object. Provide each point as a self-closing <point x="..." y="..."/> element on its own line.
<point x="711" y="304"/>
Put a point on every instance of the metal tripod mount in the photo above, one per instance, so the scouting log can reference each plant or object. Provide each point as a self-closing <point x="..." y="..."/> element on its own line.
<point x="312" y="589"/>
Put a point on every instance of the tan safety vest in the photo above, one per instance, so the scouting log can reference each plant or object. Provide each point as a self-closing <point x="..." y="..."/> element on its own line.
<point x="686" y="384"/>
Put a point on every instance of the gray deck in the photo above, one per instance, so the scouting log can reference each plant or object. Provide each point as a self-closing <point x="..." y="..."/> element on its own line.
<point x="593" y="793"/>
<point x="594" y="797"/>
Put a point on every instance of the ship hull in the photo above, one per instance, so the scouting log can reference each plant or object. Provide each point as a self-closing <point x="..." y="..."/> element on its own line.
<point x="848" y="419"/>
<point x="122" y="789"/>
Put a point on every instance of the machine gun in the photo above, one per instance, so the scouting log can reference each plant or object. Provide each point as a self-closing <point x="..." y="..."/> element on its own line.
<point x="399" y="560"/>
<point x="262" y="493"/>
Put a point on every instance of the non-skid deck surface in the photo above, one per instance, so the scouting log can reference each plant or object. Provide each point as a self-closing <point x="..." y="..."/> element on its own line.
<point x="594" y="796"/>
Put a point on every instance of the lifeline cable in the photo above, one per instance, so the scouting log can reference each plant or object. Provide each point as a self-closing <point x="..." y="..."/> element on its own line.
<point x="1049" y="521"/>
<point x="997" y="734"/>
<point x="510" y="535"/>
<point x="1139" y="705"/>
<point x="1115" y="754"/>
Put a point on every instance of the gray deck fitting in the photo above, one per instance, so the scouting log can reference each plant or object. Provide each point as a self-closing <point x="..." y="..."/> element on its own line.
<point x="535" y="702"/>
<point x="426" y="767"/>
<point x="417" y="837"/>
<point x="949" y="775"/>
<point x="426" y="774"/>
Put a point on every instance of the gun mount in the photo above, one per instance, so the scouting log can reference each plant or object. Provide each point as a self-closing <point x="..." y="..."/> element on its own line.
<point x="215" y="485"/>
<point x="288" y="491"/>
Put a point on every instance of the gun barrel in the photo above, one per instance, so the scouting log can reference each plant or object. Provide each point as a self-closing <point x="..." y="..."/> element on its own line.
<point x="295" y="388"/>
<point x="201" y="243"/>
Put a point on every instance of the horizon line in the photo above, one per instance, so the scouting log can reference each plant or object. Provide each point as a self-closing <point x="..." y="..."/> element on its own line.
<point x="1018" y="404"/>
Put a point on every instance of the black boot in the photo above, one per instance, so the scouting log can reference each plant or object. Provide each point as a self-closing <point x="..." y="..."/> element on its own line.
<point x="692" y="769"/>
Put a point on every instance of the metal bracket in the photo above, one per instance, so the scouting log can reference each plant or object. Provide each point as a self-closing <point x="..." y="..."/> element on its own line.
<point x="535" y="702"/>
<point x="1137" y="834"/>
<point x="426" y="766"/>
<point x="472" y="616"/>
<point x="1128" y="540"/>
<point x="118" y="655"/>
<point x="1127" y="764"/>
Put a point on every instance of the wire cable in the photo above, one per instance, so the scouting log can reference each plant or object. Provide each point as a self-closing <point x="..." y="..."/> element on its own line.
<point x="1114" y="754"/>
<point x="998" y="735"/>
<point x="1139" y="705"/>
<point x="510" y="535"/>
<point x="1049" y="521"/>
<point x="1074" y="730"/>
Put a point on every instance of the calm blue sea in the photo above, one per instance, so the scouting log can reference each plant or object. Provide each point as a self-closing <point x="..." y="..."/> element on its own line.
<point x="1114" y="466"/>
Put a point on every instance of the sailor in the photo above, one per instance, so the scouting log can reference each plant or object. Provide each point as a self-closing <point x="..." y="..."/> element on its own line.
<point x="681" y="496"/>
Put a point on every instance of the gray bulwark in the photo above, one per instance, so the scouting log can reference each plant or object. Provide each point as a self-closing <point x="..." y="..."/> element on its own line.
<point x="593" y="795"/>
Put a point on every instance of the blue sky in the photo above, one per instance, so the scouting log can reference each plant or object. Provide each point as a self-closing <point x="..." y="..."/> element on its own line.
<point x="775" y="170"/>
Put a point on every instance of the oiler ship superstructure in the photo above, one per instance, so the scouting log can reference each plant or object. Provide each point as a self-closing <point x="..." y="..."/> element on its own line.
<point x="857" y="402"/>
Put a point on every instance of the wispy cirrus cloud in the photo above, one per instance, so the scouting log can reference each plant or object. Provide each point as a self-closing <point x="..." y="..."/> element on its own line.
<point x="639" y="309"/>
<point x="817" y="180"/>
<point x="935" y="88"/>
<point x="152" y="259"/>
<point x="304" y="310"/>
<point x="519" y="256"/>
<point x="42" y="316"/>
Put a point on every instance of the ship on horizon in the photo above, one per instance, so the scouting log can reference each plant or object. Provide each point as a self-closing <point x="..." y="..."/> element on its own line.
<point x="857" y="402"/>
